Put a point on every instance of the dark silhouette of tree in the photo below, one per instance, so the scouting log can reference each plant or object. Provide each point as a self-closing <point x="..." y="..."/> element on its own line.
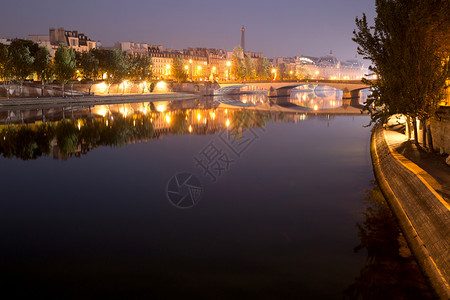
<point x="65" y="63"/>
<point x="21" y="60"/>
<point x="43" y="67"/>
<point x="408" y="46"/>
<point x="5" y="67"/>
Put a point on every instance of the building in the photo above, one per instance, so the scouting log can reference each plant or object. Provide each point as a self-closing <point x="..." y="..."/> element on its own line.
<point x="323" y="67"/>
<point x="133" y="48"/>
<point x="5" y="41"/>
<point x="72" y="39"/>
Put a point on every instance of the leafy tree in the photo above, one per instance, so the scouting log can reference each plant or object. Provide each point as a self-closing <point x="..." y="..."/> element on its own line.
<point x="178" y="71"/>
<point x="88" y="64"/>
<point x="43" y="66"/>
<point x="250" y="67"/>
<point x="303" y="73"/>
<point x="408" y="47"/>
<point x="5" y="67"/>
<point x="282" y="71"/>
<point x="141" y="67"/>
<point x="21" y="60"/>
<point x="263" y="68"/>
<point x="238" y="69"/>
<point x="64" y="65"/>
<point x="119" y="65"/>
<point x="103" y="57"/>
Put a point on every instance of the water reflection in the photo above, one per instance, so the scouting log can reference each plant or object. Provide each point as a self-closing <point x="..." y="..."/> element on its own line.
<point x="390" y="271"/>
<point x="316" y="96"/>
<point x="117" y="125"/>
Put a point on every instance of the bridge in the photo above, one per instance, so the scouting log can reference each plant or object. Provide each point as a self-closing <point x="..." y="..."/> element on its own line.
<point x="350" y="88"/>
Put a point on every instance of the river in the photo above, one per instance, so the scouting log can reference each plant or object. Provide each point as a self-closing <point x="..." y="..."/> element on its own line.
<point x="192" y="198"/>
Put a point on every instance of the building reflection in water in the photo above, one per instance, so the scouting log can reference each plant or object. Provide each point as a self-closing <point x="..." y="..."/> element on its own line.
<point x="390" y="271"/>
<point x="70" y="132"/>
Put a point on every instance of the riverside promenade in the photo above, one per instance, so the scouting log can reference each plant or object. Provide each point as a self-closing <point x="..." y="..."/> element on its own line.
<point x="422" y="213"/>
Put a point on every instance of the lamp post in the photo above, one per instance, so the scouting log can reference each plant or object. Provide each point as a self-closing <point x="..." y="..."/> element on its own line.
<point x="213" y="70"/>
<point x="229" y="70"/>
<point x="199" y="70"/>
<point x="190" y="68"/>
<point x="274" y="72"/>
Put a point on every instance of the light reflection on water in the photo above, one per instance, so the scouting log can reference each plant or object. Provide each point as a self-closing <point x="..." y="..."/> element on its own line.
<point x="268" y="229"/>
<point x="316" y="97"/>
<point x="319" y="97"/>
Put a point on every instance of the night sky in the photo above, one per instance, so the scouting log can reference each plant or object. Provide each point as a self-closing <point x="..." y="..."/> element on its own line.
<point x="276" y="28"/>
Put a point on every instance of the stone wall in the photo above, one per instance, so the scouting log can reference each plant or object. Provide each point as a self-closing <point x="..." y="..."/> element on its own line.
<point x="423" y="217"/>
<point x="440" y="130"/>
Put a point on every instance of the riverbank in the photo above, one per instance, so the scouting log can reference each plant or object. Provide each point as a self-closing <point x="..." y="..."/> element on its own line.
<point x="35" y="103"/>
<point x="422" y="213"/>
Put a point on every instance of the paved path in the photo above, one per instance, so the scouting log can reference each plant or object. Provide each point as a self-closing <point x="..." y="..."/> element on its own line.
<point x="432" y="165"/>
<point x="422" y="213"/>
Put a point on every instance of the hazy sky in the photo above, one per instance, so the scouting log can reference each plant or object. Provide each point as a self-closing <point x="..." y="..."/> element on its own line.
<point x="276" y="28"/>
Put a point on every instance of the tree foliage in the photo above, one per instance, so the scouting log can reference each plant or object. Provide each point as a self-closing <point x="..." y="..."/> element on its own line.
<point x="64" y="64"/>
<point x="408" y="46"/>
<point x="263" y="68"/>
<point x="238" y="69"/>
<point x="140" y="67"/>
<point x="178" y="71"/>
<point x="89" y="64"/>
<point x="21" y="59"/>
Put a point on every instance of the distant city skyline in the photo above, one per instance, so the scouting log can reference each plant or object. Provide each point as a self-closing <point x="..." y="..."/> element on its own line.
<point x="277" y="28"/>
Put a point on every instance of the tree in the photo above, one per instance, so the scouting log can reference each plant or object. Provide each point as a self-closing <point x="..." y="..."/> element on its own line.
<point x="303" y="72"/>
<point x="250" y="67"/>
<point x="238" y="69"/>
<point x="408" y="47"/>
<point x="5" y="69"/>
<point x="263" y="68"/>
<point x="43" y="66"/>
<point x="64" y="65"/>
<point x="141" y="67"/>
<point x="119" y="65"/>
<point x="89" y="67"/>
<point x="282" y="71"/>
<point x="21" y="60"/>
<point x="178" y="70"/>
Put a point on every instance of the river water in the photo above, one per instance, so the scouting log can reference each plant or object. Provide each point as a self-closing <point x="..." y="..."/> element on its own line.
<point x="192" y="198"/>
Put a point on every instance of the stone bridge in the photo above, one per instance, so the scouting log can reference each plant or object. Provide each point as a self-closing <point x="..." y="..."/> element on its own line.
<point x="350" y="88"/>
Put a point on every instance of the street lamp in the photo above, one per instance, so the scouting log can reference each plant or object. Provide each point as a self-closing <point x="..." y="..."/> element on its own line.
<point x="213" y="70"/>
<point x="229" y="70"/>
<point x="167" y="70"/>
<point x="199" y="69"/>
<point x="274" y="71"/>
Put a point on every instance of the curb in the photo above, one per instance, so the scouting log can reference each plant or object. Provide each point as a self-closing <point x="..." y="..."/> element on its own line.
<point x="422" y="214"/>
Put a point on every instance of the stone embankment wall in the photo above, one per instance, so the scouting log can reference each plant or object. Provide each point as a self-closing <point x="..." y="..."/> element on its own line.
<point x="440" y="130"/>
<point x="31" y="90"/>
<point x="423" y="217"/>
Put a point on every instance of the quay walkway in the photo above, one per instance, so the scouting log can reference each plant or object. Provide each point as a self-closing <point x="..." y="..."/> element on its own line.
<point x="422" y="213"/>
